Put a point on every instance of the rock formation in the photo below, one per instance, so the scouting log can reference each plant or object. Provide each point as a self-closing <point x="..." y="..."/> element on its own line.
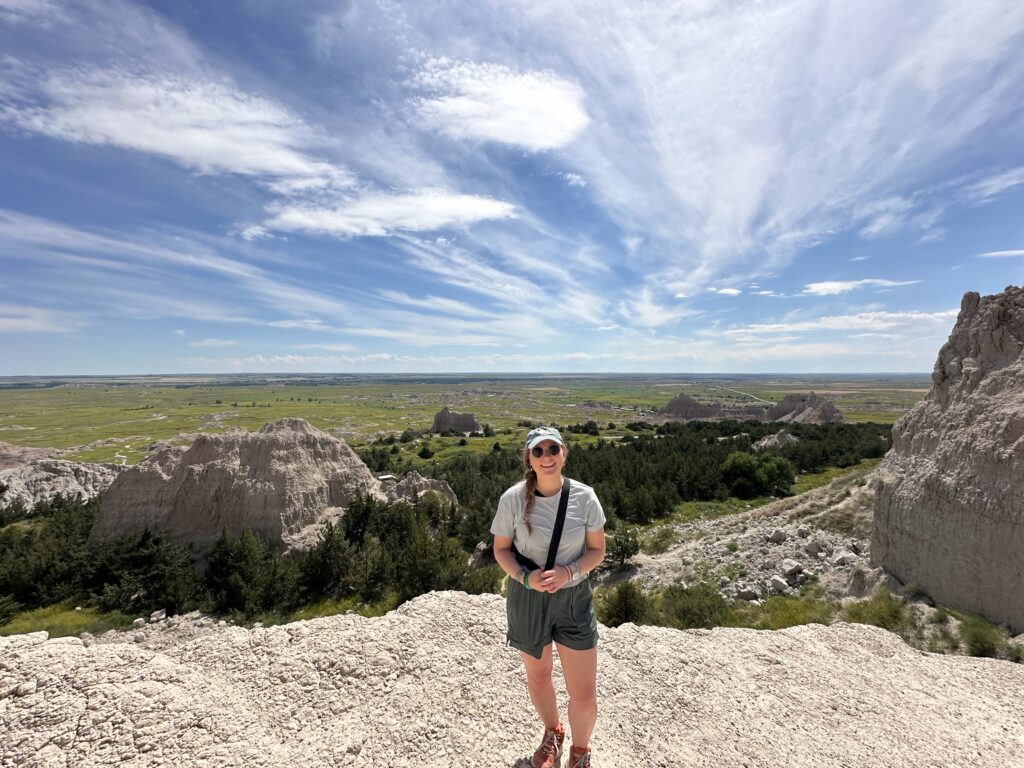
<point x="412" y="485"/>
<point x="433" y="684"/>
<point x="779" y="439"/>
<point x="39" y="478"/>
<point x="449" y="421"/>
<point x="284" y="481"/>
<point x="682" y="406"/>
<point x="949" y="504"/>
<point x="805" y="409"/>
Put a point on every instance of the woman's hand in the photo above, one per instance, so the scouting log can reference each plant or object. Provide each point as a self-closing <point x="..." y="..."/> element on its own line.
<point x="550" y="581"/>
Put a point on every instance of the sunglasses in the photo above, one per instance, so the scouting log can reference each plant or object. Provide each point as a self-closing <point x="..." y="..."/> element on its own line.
<point x="553" y="450"/>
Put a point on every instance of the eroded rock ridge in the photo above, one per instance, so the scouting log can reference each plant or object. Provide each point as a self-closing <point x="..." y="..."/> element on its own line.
<point x="284" y="481"/>
<point x="949" y="504"/>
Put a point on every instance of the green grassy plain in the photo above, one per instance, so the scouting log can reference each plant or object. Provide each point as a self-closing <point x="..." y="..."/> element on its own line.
<point x="116" y="420"/>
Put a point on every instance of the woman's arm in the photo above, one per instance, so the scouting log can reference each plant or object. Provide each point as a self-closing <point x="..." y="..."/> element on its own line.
<point x="504" y="557"/>
<point x="594" y="555"/>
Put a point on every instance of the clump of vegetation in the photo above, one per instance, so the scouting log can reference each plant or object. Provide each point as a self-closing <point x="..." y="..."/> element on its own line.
<point x="659" y="540"/>
<point x="622" y="545"/>
<point x="748" y="475"/>
<point x="699" y="606"/>
<point x="981" y="637"/>
<point x="780" y="611"/>
<point x="883" y="609"/>
<point x="626" y="602"/>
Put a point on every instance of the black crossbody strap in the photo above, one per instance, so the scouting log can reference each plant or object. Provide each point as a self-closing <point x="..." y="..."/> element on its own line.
<point x="556" y="534"/>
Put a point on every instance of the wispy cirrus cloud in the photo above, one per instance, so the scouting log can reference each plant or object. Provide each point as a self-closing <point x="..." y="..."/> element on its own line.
<point x="836" y="287"/>
<point x="870" y="321"/>
<point x="33" y="319"/>
<point x="536" y="110"/>
<point x="206" y="126"/>
<point x="1001" y="254"/>
<point x="991" y="187"/>
<point x="382" y="214"/>
<point x="213" y="343"/>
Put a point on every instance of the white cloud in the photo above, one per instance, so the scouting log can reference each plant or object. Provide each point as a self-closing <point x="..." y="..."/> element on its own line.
<point x="645" y="311"/>
<point x="213" y="343"/>
<point x="22" y="319"/>
<point x="727" y="291"/>
<point x="1000" y="254"/>
<point x="306" y="323"/>
<point x="435" y="304"/>
<point x="574" y="180"/>
<point x="989" y="188"/>
<point x="885" y="216"/>
<point x="207" y="126"/>
<point x="836" y="287"/>
<point x="778" y="124"/>
<point x="340" y="347"/>
<point x="860" y="258"/>
<point x="179" y="332"/>
<point x="381" y="214"/>
<point x="30" y="10"/>
<point x="491" y="102"/>
<point x="871" y="321"/>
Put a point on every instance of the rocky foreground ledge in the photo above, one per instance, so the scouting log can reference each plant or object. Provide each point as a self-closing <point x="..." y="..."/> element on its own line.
<point x="431" y="684"/>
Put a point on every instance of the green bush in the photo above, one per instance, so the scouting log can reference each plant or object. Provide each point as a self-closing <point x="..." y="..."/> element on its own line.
<point x="779" y="611"/>
<point x="693" y="607"/>
<point x="622" y="546"/>
<point x="982" y="638"/>
<point x="624" y="603"/>
<point x="8" y="609"/>
<point x="883" y="609"/>
<point x="659" y="540"/>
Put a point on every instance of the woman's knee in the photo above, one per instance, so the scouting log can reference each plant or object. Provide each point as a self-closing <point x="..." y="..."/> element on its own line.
<point x="585" y="698"/>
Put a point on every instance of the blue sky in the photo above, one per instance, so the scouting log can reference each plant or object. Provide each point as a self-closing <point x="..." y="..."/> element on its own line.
<point x="698" y="186"/>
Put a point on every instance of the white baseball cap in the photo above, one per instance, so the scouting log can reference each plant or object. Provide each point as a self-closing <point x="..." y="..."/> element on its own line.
<point x="540" y="434"/>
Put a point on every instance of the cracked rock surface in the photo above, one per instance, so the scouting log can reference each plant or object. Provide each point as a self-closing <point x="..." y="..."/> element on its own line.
<point x="432" y="684"/>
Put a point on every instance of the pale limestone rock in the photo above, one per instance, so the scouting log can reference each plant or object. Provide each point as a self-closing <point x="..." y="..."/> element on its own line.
<point x="778" y="440"/>
<point x="418" y="687"/>
<point x="805" y="409"/>
<point x="949" y="496"/>
<point x="284" y="481"/>
<point x="449" y="421"/>
<point x="40" y="478"/>
<point x="412" y="485"/>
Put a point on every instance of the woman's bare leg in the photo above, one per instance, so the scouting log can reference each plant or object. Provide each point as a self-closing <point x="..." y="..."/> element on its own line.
<point x="542" y="688"/>
<point x="580" y="668"/>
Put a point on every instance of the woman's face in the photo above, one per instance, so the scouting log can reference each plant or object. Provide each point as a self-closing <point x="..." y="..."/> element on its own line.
<point x="547" y="465"/>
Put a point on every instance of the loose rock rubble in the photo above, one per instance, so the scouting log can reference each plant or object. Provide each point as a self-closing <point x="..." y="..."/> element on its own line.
<point x="432" y="684"/>
<point x="772" y="549"/>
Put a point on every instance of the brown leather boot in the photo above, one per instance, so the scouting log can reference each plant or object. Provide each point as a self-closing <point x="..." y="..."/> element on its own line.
<point x="579" y="757"/>
<point x="550" y="749"/>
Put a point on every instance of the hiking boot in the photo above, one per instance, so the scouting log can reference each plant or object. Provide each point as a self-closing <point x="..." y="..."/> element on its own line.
<point x="579" y="757"/>
<point x="550" y="749"/>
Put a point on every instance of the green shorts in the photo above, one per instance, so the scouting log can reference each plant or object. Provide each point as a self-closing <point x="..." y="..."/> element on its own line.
<point x="536" y="618"/>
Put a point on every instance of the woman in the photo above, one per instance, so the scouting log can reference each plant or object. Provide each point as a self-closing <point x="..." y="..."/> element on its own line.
<point x="557" y="604"/>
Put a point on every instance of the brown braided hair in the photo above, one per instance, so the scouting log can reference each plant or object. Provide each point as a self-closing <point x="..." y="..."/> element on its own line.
<point x="531" y="487"/>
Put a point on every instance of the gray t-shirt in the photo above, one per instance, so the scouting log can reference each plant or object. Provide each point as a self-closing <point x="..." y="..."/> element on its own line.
<point x="583" y="514"/>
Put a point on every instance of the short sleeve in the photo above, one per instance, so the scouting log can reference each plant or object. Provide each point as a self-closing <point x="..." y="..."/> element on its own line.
<point x="595" y="514"/>
<point x="504" y="523"/>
